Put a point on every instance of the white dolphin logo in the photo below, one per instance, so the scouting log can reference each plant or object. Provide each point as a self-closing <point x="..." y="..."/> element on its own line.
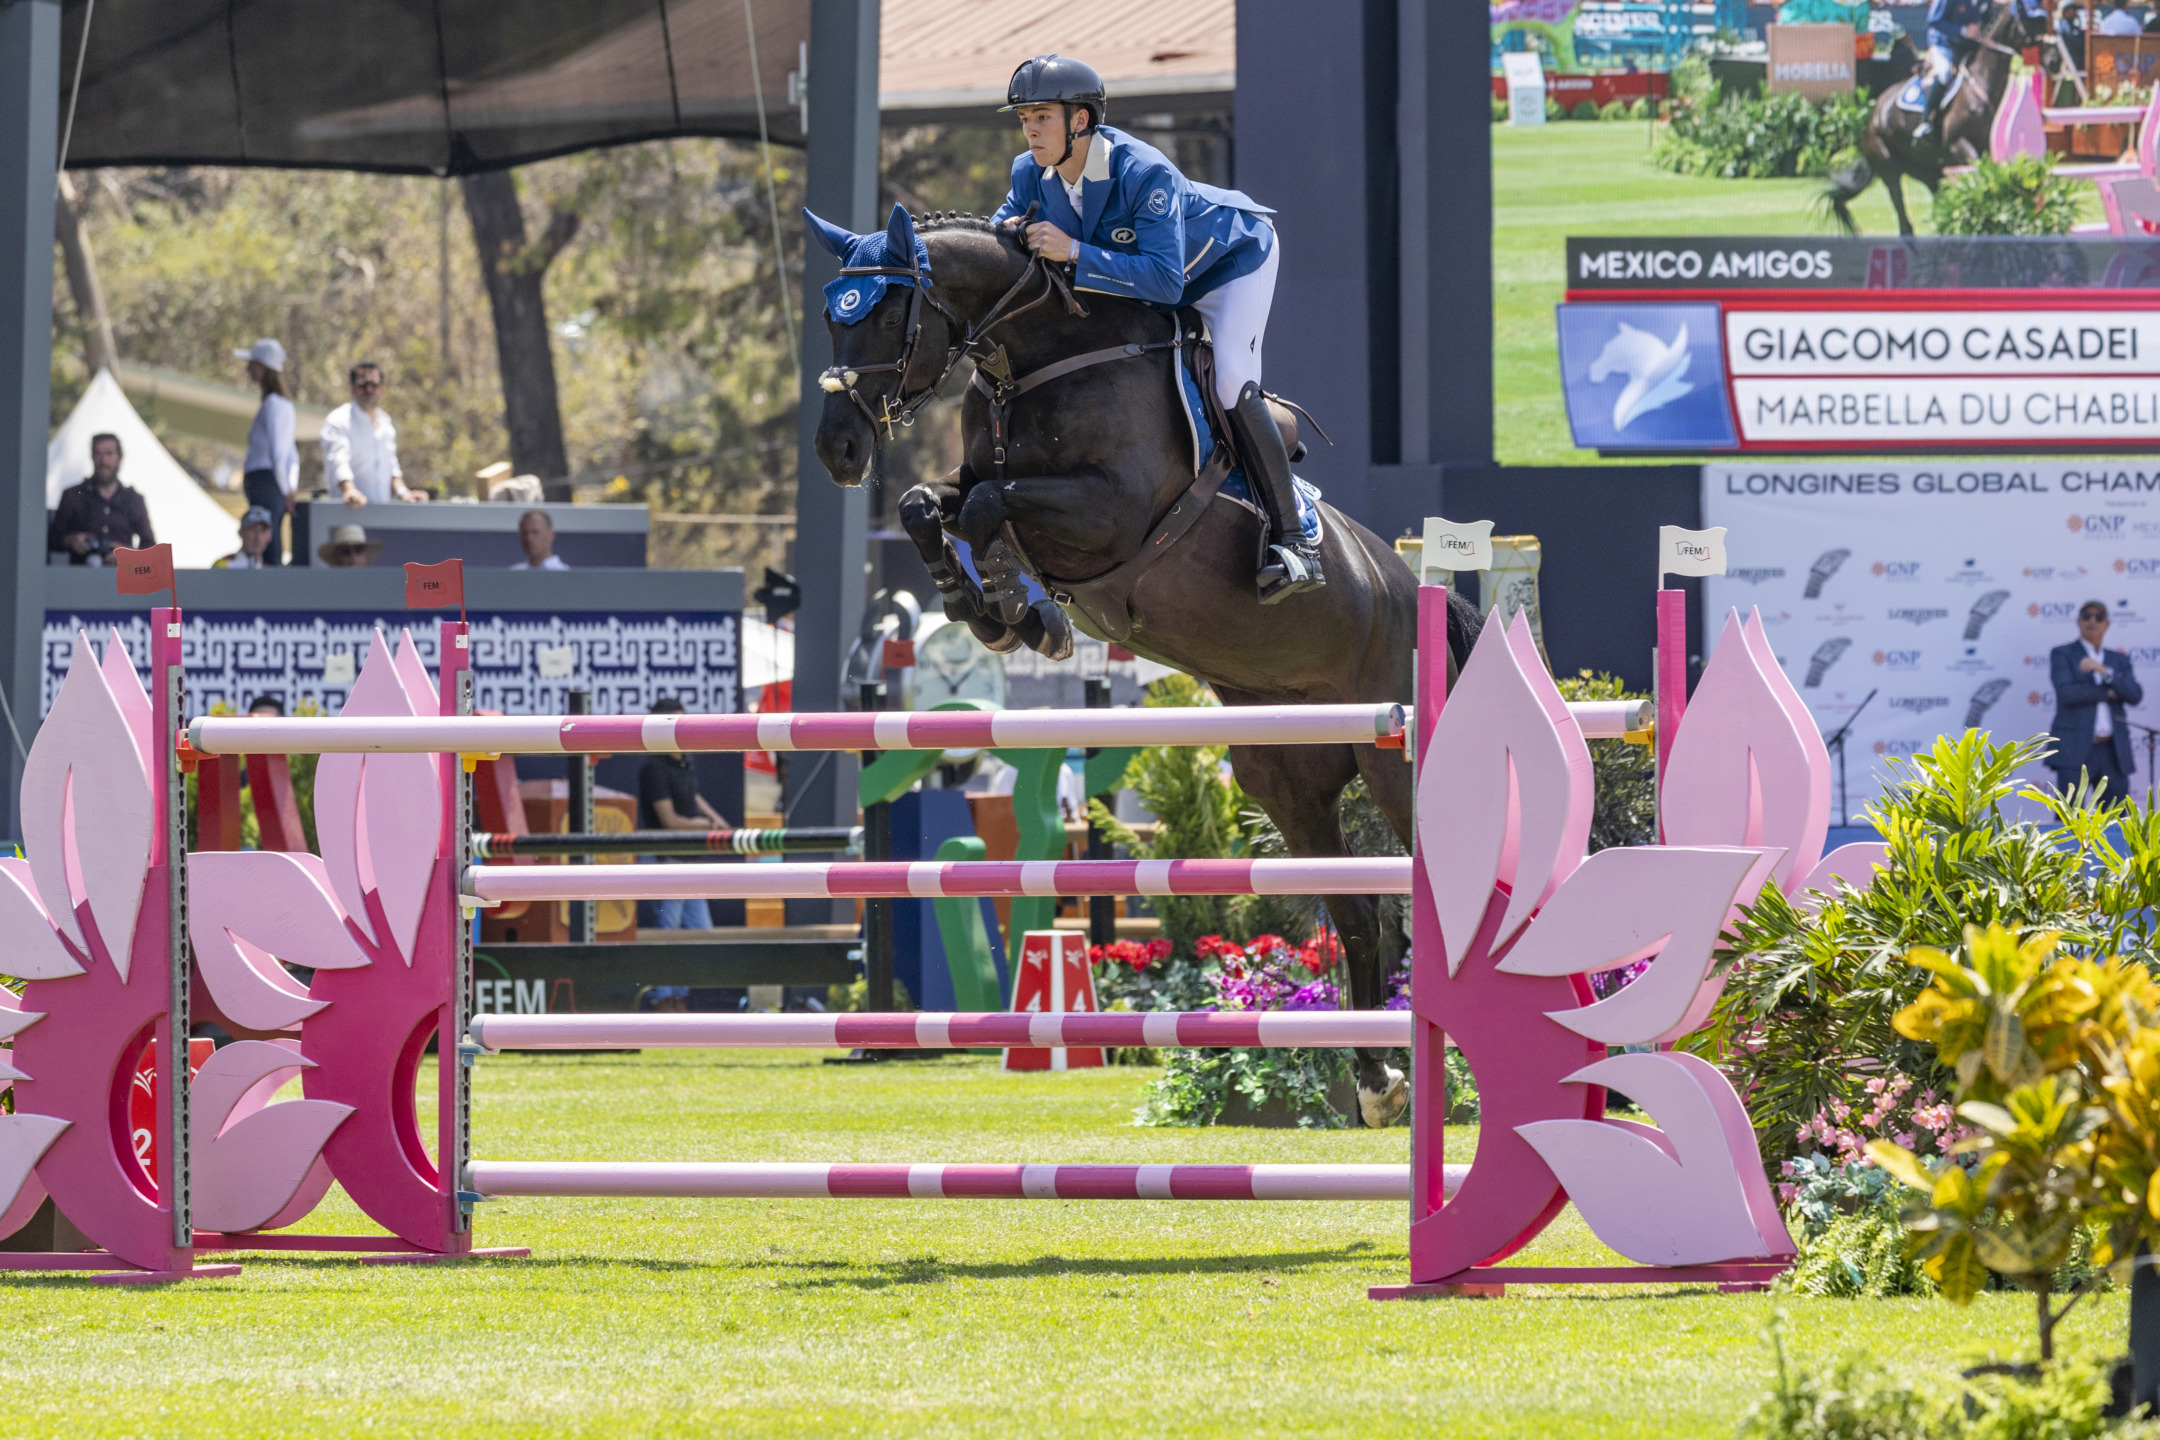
<point x="1655" y="371"/>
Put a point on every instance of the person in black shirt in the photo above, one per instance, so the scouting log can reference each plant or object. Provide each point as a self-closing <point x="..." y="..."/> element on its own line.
<point x="668" y="799"/>
<point x="99" y="515"/>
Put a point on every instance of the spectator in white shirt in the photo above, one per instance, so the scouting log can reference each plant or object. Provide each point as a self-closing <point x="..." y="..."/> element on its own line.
<point x="359" y="445"/>
<point x="537" y="534"/>
<point x="271" y="473"/>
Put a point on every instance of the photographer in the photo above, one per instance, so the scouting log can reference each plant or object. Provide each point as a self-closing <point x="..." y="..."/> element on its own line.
<point x="100" y="515"/>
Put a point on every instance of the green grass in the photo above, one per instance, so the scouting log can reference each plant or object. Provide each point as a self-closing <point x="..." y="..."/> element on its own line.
<point x="925" y="1317"/>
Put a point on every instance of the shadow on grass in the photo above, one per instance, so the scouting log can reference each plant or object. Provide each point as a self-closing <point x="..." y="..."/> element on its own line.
<point x="929" y="1269"/>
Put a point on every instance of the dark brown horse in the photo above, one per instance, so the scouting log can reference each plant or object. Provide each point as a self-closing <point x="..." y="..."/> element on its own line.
<point x="1889" y="152"/>
<point x="1078" y="478"/>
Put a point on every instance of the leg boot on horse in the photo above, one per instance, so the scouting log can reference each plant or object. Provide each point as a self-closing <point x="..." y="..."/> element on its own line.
<point x="922" y="516"/>
<point x="1288" y="561"/>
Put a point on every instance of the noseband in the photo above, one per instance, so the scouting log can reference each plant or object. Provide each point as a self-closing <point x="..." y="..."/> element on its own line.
<point x="841" y="379"/>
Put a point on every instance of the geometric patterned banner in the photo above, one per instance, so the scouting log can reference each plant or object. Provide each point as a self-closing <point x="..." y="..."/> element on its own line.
<point x="524" y="662"/>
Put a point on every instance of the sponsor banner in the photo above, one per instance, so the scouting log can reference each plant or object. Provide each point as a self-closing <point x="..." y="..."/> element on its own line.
<point x="1939" y="585"/>
<point x="1812" y="60"/>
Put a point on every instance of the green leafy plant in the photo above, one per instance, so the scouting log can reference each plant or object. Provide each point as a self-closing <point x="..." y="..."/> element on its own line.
<point x="1499" y="112"/>
<point x="1861" y="1254"/>
<point x="1807" y="1015"/>
<point x="1856" y="1398"/>
<point x="2032" y="1039"/>
<point x="1613" y="110"/>
<point x="1584" y="110"/>
<point x="1624" y="811"/>
<point x="1196" y="1085"/>
<point x="2023" y="197"/>
<point x="1758" y="137"/>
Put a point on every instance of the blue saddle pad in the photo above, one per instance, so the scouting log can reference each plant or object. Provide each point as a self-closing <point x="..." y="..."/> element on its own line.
<point x="1235" y="486"/>
<point x="1913" y="97"/>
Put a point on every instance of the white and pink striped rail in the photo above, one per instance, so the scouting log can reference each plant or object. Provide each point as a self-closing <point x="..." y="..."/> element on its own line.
<point x="942" y="1031"/>
<point x="890" y="730"/>
<point x="1332" y="875"/>
<point x="749" y="1180"/>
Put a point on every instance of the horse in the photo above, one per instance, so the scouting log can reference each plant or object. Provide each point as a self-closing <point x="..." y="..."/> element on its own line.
<point x="1889" y="151"/>
<point x="1076" y="478"/>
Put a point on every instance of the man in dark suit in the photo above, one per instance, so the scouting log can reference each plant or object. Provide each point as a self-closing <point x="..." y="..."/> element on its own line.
<point x="2093" y="687"/>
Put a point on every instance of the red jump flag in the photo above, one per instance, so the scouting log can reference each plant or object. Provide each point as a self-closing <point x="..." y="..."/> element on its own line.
<point x="435" y="587"/>
<point x="146" y="571"/>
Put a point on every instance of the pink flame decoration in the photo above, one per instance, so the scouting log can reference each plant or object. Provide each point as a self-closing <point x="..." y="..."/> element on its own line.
<point x="251" y="1158"/>
<point x="246" y="906"/>
<point x="1747" y="767"/>
<point x="1502" y="812"/>
<point x="377" y="817"/>
<point x="88" y="815"/>
<point x="1509" y="787"/>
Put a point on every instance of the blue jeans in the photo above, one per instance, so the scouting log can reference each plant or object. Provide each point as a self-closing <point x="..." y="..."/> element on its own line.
<point x="684" y="915"/>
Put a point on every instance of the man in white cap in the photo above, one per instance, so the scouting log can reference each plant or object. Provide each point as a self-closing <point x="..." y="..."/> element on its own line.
<point x="270" y="475"/>
<point x="359" y="445"/>
<point x="258" y="533"/>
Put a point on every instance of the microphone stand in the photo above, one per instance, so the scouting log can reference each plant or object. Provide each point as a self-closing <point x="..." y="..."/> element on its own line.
<point x="2152" y="740"/>
<point x="1837" y="742"/>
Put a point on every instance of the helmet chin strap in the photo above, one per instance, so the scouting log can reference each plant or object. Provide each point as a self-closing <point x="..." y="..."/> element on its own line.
<point x="1072" y="134"/>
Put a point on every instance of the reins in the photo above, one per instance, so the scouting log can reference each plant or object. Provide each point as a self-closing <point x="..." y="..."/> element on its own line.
<point x="841" y="379"/>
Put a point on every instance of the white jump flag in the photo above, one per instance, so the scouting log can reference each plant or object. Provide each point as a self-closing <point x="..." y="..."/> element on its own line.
<point x="1451" y="546"/>
<point x="1690" y="552"/>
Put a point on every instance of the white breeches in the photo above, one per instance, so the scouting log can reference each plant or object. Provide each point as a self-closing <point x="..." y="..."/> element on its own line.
<point x="1237" y="318"/>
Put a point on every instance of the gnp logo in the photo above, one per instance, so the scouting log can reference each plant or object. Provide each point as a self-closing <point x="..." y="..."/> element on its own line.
<point x="1896" y="569"/>
<point x="1900" y="747"/>
<point x="2142" y="566"/>
<point x="2097" y="526"/>
<point x="2054" y="572"/>
<point x="2143" y="654"/>
<point x="2053" y="609"/>
<point x="1920" y="704"/>
<point x="2039" y="699"/>
<point x="1898" y="659"/>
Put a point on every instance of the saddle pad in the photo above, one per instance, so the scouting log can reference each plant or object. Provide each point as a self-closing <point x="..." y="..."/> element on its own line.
<point x="1913" y="98"/>
<point x="1238" y="491"/>
<point x="1195" y="412"/>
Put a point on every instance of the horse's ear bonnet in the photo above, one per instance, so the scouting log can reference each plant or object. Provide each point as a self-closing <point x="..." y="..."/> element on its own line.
<point x="850" y="297"/>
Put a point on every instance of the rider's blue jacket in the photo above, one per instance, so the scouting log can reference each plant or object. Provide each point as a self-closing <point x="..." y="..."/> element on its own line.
<point x="1947" y="19"/>
<point x="1145" y="231"/>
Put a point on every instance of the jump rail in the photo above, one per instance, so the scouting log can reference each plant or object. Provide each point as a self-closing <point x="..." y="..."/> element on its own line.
<point x="801" y="839"/>
<point x="919" y="730"/>
<point x="502" y="1179"/>
<point x="1347" y="875"/>
<point x="934" y="1031"/>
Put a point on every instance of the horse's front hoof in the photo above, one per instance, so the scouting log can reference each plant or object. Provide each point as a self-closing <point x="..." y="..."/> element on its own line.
<point x="1380" y="1109"/>
<point x="1000" y="639"/>
<point x="1056" y="642"/>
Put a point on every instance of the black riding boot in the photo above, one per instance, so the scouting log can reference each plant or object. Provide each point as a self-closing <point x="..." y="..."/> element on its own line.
<point x="1288" y="562"/>
<point x="1931" y="112"/>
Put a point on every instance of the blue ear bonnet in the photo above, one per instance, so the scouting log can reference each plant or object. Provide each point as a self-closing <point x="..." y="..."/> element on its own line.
<point x="850" y="297"/>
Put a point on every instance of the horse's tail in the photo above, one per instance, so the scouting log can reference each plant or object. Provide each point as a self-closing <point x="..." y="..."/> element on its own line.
<point x="1845" y="187"/>
<point x="1463" y="624"/>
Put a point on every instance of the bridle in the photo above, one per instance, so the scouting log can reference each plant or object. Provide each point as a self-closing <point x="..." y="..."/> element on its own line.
<point x="841" y="379"/>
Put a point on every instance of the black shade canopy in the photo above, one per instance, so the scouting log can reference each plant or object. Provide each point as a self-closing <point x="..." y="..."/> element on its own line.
<point x="433" y="87"/>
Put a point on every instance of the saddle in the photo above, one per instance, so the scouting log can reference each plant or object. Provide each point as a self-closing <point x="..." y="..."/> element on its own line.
<point x="1102" y="604"/>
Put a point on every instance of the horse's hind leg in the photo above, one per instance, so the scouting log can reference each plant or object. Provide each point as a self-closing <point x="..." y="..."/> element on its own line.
<point x="1300" y="786"/>
<point x="1894" y="182"/>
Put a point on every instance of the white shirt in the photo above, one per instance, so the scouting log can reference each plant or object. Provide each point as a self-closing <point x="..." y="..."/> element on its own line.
<point x="365" y="453"/>
<point x="2120" y="22"/>
<point x="2103" y="715"/>
<point x="270" y="443"/>
<point x="553" y="562"/>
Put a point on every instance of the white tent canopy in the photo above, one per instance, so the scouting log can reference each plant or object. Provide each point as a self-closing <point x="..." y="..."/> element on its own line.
<point x="199" y="529"/>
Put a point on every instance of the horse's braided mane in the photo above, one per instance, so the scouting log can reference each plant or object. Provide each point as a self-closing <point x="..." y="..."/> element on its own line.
<point x="947" y="221"/>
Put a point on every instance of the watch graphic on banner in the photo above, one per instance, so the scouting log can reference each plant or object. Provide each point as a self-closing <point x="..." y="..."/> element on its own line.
<point x="951" y="664"/>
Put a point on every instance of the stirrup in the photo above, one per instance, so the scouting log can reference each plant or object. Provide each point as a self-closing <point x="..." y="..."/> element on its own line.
<point x="1295" y="568"/>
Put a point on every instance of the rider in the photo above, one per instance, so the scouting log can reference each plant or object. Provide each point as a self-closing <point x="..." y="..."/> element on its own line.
<point x="1953" y="28"/>
<point x="1130" y="224"/>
